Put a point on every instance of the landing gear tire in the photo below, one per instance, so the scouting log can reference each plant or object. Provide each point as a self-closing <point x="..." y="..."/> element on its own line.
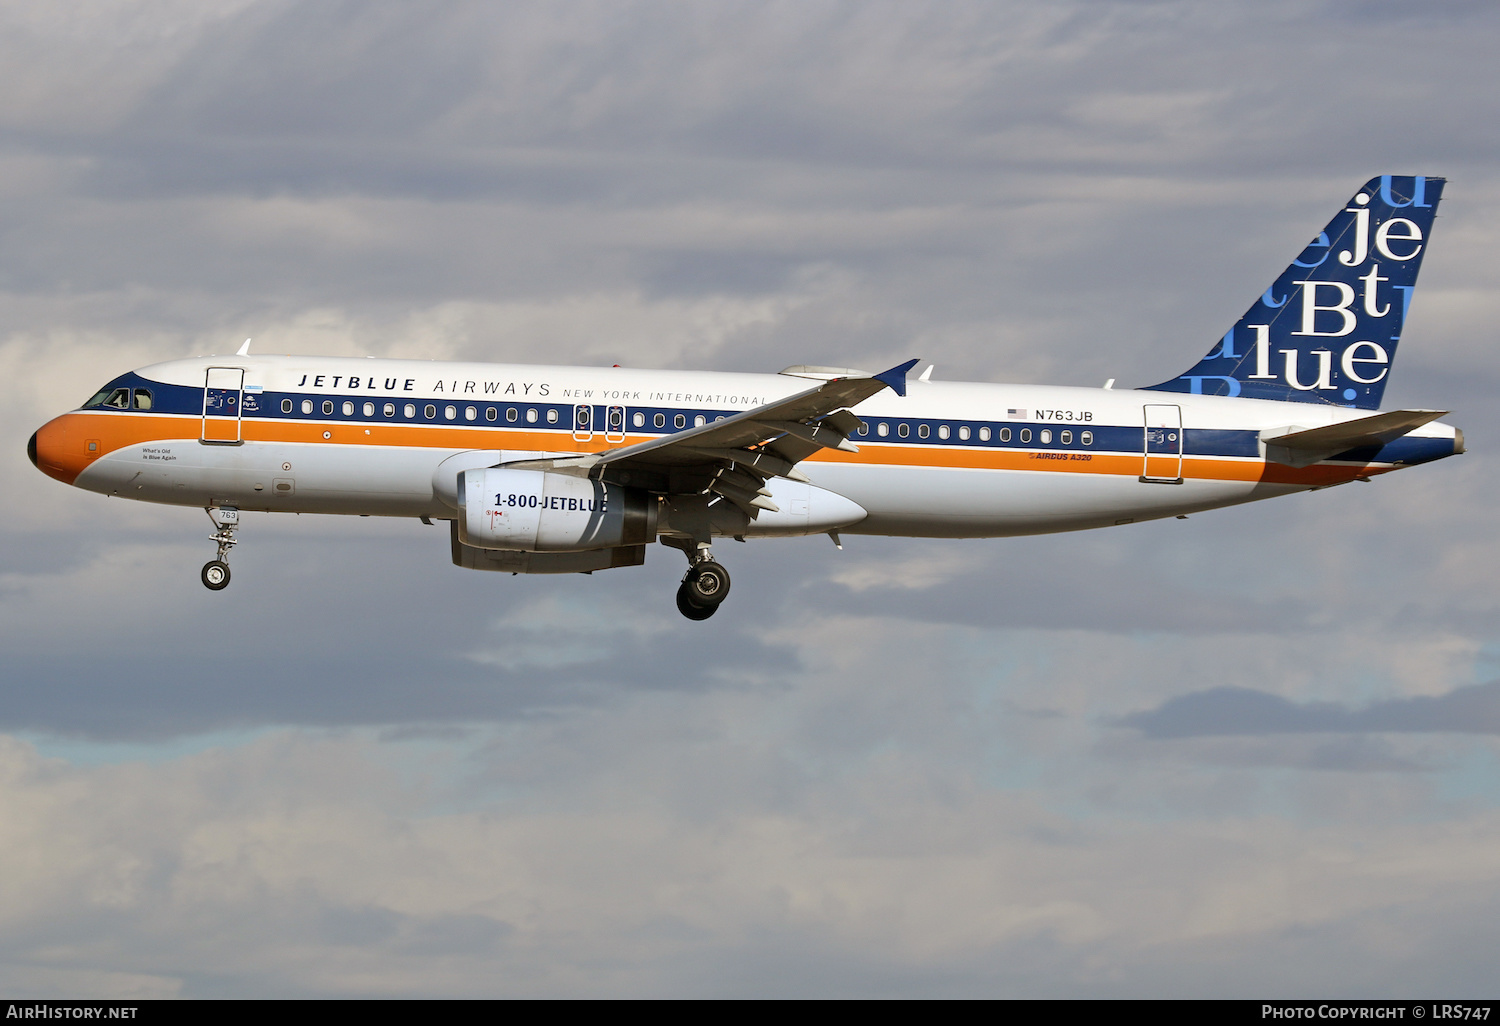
<point x="707" y="584"/>
<point x="686" y="607"/>
<point x="215" y="575"/>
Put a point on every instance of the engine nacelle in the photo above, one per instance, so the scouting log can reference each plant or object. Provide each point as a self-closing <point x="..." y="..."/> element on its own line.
<point x="512" y="561"/>
<point x="544" y="511"/>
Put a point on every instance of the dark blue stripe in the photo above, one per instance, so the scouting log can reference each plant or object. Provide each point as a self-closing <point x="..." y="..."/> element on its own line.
<point x="188" y="400"/>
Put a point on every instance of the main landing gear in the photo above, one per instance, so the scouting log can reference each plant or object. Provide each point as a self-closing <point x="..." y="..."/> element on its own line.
<point x="216" y="571"/>
<point x="703" y="588"/>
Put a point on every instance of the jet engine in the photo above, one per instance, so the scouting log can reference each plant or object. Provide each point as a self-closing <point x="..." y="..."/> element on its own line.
<point x="546" y="511"/>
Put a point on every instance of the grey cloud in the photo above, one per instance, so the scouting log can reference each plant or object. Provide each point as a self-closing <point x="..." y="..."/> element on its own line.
<point x="389" y="99"/>
<point x="357" y="926"/>
<point x="1307" y="752"/>
<point x="386" y="633"/>
<point x="461" y="105"/>
<point x="407" y="935"/>
<point x="599" y="885"/>
<point x="153" y="696"/>
<point x="1124" y="579"/>
<point x="1474" y="709"/>
<point x="467" y="935"/>
<point x="1008" y="592"/>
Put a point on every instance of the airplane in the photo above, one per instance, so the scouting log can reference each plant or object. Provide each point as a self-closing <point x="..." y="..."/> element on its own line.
<point x="550" y="469"/>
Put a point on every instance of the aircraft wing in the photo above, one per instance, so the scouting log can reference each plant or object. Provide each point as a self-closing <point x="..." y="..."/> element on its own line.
<point x="736" y="455"/>
<point x="1304" y="448"/>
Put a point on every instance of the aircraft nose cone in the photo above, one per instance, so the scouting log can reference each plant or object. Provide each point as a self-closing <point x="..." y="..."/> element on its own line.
<point x="59" y="449"/>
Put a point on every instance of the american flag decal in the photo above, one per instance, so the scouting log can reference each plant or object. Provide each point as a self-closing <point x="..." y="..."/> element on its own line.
<point x="1016" y="414"/>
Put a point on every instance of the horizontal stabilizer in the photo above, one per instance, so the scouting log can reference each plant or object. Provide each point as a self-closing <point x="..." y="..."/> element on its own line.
<point x="1304" y="448"/>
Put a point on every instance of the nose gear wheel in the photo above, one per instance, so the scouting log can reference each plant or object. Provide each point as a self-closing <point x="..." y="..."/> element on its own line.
<point x="226" y="520"/>
<point x="215" y="575"/>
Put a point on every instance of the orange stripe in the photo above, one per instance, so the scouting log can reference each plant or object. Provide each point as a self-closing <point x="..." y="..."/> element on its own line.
<point x="62" y="450"/>
<point x="1199" y="468"/>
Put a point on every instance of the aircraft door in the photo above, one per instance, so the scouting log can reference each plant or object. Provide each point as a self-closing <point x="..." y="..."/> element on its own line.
<point x="1163" y="445"/>
<point x="223" y="395"/>
<point x="614" y="425"/>
<point x="583" y="423"/>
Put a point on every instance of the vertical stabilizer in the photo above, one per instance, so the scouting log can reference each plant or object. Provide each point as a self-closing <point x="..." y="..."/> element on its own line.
<point x="1326" y="330"/>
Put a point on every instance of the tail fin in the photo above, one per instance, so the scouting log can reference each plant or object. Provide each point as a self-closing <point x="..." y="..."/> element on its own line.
<point x="1326" y="330"/>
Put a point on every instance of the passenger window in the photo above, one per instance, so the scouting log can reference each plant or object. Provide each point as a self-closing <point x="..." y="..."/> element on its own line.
<point x="327" y="407"/>
<point x="531" y="416"/>
<point x="409" y="411"/>
<point x="660" y="420"/>
<point x="470" y="413"/>
<point x="638" y="419"/>
<point x="903" y="430"/>
<point x="450" y="412"/>
<point x="429" y="411"/>
<point x="616" y="418"/>
<point x="348" y="409"/>
<point x="307" y="406"/>
<point x="863" y="429"/>
<point x="286" y="406"/>
<point x="389" y="409"/>
<point x="943" y="431"/>
<point x="369" y="409"/>
<point x="679" y="421"/>
<point x="984" y="434"/>
<point x="1026" y="434"/>
<point x="1087" y="438"/>
<point x="1004" y="434"/>
<point x="551" y="416"/>
<point x="142" y="399"/>
<point x="922" y="431"/>
<point x="510" y="414"/>
<point x="489" y="413"/>
<point x="963" y="433"/>
<point x="1046" y="436"/>
<point x="699" y="421"/>
<point x="882" y="429"/>
<point x="1067" y="438"/>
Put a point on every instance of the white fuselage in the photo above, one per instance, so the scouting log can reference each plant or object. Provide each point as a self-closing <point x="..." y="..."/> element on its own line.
<point x="949" y="459"/>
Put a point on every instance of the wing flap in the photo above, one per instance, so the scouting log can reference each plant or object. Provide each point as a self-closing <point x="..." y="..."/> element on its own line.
<point x="821" y="434"/>
<point x="761" y="461"/>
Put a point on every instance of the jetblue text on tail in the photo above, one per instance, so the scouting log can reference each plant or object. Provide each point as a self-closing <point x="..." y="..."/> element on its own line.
<point x="1326" y="330"/>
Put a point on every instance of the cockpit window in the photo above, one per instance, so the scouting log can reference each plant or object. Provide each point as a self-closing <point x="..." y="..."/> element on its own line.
<point x="115" y="398"/>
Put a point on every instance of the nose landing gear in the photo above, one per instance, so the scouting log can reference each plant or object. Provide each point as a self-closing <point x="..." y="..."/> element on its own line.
<point x="703" y="588"/>
<point x="226" y="520"/>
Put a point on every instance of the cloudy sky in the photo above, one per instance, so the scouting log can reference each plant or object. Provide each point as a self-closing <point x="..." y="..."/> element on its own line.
<point x="1251" y="753"/>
